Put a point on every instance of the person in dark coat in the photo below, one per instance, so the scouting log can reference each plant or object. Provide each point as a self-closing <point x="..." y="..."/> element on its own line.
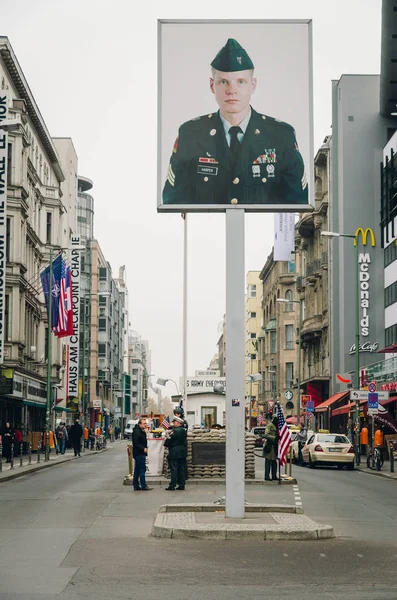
<point x="75" y="435"/>
<point x="139" y="453"/>
<point x="270" y="449"/>
<point x="176" y="444"/>
<point x="235" y="155"/>
<point x="8" y="438"/>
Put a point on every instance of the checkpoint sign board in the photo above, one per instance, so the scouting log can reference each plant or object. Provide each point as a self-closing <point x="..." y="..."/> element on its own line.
<point x="373" y="403"/>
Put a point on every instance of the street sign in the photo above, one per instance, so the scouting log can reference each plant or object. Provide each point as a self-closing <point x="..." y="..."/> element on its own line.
<point x="305" y="399"/>
<point x="289" y="395"/>
<point x="310" y="406"/>
<point x="373" y="405"/>
<point x="361" y="395"/>
<point x="372" y="386"/>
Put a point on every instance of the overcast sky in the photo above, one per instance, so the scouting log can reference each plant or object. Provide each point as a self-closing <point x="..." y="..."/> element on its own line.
<point x="92" y="67"/>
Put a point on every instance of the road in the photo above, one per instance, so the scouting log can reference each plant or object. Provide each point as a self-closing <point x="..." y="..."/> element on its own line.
<point x="74" y="532"/>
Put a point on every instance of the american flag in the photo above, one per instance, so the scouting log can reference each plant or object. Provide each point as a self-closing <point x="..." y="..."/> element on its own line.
<point x="62" y="325"/>
<point x="284" y="435"/>
<point x="165" y="423"/>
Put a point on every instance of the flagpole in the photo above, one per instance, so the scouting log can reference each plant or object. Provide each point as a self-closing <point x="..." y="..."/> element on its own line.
<point x="49" y="353"/>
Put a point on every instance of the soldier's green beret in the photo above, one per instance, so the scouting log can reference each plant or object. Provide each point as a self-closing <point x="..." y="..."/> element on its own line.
<point x="232" y="57"/>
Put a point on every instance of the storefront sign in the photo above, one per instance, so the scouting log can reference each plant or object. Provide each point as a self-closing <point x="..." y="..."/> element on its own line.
<point x="366" y="347"/>
<point x="74" y="344"/>
<point x="208" y="373"/>
<point x="203" y="384"/>
<point x="364" y="261"/>
<point x="29" y="389"/>
<point x="3" y="215"/>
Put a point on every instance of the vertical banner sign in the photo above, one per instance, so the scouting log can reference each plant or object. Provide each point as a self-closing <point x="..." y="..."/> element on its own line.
<point x="73" y="364"/>
<point x="284" y="235"/>
<point x="3" y="216"/>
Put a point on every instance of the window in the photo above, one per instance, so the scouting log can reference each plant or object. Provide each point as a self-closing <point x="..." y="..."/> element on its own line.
<point x="252" y="356"/>
<point x="102" y="311"/>
<point x="273" y="342"/>
<point x="289" y="337"/>
<point x="291" y="265"/>
<point x="103" y="274"/>
<point x="252" y="315"/>
<point x="391" y="294"/>
<point x="102" y="300"/>
<point x="252" y="336"/>
<point x="49" y="228"/>
<point x="252" y="291"/>
<point x="8" y="239"/>
<point x="102" y="324"/>
<point x="390" y="254"/>
<point x="101" y="349"/>
<point x="289" y="374"/>
<point x="391" y="335"/>
<point x="289" y="307"/>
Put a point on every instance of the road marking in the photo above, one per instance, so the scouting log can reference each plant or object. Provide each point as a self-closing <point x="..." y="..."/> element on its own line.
<point x="297" y="496"/>
<point x="298" y="503"/>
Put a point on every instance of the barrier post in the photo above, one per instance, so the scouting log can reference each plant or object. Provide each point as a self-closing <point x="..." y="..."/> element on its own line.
<point x="290" y="462"/>
<point x="391" y="457"/>
<point x="129" y="455"/>
<point x="38" y="451"/>
<point x="21" y="454"/>
<point x="30" y="453"/>
<point x="1" y="456"/>
<point x="12" y="458"/>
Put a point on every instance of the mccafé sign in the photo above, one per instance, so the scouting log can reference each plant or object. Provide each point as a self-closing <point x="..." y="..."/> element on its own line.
<point x="364" y="262"/>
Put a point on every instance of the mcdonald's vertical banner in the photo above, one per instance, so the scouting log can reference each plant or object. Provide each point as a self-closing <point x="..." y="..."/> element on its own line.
<point x="3" y="215"/>
<point x="74" y="345"/>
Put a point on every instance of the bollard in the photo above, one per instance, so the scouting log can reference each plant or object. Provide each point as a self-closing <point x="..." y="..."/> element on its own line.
<point x="30" y="453"/>
<point x="1" y="456"/>
<point x="290" y="462"/>
<point x="12" y="458"/>
<point x="129" y="455"/>
<point x="21" y="454"/>
<point x="38" y="451"/>
<point x="391" y="457"/>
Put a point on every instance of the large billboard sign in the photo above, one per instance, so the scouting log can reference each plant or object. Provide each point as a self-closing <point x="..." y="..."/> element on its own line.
<point x="235" y="116"/>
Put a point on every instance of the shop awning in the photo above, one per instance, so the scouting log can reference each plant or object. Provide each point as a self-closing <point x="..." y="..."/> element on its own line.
<point x="63" y="409"/>
<point x="33" y="403"/>
<point x="388" y="401"/>
<point x="324" y="406"/>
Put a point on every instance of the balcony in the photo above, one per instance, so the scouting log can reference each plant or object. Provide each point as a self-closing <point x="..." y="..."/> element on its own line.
<point x="306" y="225"/>
<point x="312" y="328"/>
<point x="287" y="278"/>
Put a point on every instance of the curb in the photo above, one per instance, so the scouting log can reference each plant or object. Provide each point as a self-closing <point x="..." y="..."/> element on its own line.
<point x="40" y="466"/>
<point x="178" y="522"/>
<point x="212" y="481"/>
<point x="389" y="476"/>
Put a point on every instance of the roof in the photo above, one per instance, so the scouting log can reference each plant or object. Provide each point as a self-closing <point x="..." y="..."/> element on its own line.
<point x="324" y="406"/>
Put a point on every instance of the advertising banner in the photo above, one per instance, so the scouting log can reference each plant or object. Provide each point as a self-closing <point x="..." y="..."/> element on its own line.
<point x="3" y="216"/>
<point x="284" y="236"/>
<point x="235" y="116"/>
<point x="74" y="343"/>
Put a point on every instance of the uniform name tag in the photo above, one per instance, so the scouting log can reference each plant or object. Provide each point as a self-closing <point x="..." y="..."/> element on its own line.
<point x="207" y="170"/>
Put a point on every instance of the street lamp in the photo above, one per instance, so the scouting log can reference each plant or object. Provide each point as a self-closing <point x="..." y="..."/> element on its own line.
<point x="251" y="378"/>
<point x="286" y="301"/>
<point x="161" y="381"/>
<point x="333" y="234"/>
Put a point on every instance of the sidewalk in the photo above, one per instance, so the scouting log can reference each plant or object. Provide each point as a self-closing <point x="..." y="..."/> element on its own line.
<point x="55" y="459"/>
<point x="385" y="472"/>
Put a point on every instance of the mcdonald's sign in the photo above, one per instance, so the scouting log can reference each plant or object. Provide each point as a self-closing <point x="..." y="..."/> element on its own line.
<point x="364" y="235"/>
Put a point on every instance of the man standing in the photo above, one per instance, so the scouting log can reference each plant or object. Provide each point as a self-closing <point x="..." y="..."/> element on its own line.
<point x="235" y="155"/>
<point x="139" y="453"/>
<point x="176" y="445"/>
<point x="75" y="434"/>
<point x="62" y="436"/>
<point x="270" y="449"/>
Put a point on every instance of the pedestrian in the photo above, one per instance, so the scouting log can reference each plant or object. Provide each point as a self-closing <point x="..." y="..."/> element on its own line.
<point x="117" y="432"/>
<point x="139" y="453"/>
<point x="176" y="444"/>
<point x="18" y="440"/>
<point x="302" y="438"/>
<point x="179" y="412"/>
<point x="270" y="449"/>
<point x="75" y="434"/>
<point x="8" y="438"/>
<point x="62" y="436"/>
<point x="68" y="440"/>
<point x="235" y="155"/>
<point x="86" y="435"/>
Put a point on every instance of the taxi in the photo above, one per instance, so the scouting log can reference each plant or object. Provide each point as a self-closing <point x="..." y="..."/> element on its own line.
<point x="324" y="448"/>
<point x="295" y="443"/>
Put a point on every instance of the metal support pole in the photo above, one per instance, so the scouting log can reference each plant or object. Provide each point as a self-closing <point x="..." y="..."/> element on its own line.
<point x="235" y="355"/>
<point x="298" y="411"/>
<point x="103" y="403"/>
<point x="49" y="359"/>
<point x="184" y="340"/>
<point x="357" y="355"/>
<point x="21" y="454"/>
<point x="391" y="448"/>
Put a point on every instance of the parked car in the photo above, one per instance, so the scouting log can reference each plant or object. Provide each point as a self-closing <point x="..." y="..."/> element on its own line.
<point x="259" y="433"/>
<point x="128" y="429"/>
<point x="328" y="449"/>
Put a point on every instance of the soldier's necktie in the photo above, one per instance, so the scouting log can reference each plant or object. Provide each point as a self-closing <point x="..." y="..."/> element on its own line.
<point x="235" y="145"/>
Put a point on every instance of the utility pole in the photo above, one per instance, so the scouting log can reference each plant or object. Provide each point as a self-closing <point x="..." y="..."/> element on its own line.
<point x="49" y="361"/>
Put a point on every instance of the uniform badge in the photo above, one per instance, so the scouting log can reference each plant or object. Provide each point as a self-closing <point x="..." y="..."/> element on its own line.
<point x="196" y="119"/>
<point x="171" y="176"/>
<point x="175" y="147"/>
<point x="213" y="132"/>
<point x="256" y="171"/>
<point x="270" y="155"/>
<point x="239" y="59"/>
<point x="304" y="181"/>
<point x="257" y="132"/>
<point x="204" y="159"/>
<point x="270" y="170"/>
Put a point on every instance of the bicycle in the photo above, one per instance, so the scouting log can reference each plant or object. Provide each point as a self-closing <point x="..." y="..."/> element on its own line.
<point x="375" y="459"/>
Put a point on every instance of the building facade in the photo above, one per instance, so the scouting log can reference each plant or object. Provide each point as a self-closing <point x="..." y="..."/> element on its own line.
<point x="253" y="320"/>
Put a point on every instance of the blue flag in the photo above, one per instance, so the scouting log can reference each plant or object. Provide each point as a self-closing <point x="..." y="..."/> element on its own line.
<point x="55" y="288"/>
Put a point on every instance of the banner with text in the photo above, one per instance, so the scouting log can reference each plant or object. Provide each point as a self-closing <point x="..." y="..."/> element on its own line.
<point x="284" y="236"/>
<point x="74" y="345"/>
<point x="3" y="215"/>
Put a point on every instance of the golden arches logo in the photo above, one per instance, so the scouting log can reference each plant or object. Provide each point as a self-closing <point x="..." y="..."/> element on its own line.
<point x="364" y="235"/>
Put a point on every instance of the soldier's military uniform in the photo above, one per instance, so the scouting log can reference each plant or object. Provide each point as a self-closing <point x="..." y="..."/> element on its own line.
<point x="269" y="168"/>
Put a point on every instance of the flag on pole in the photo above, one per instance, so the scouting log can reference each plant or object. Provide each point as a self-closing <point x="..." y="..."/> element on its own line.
<point x="62" y="324"/>
<point x="284" y="436"/>
<point x="65" y="317"/>
<point x="52" y="288"/>
<point x="165" y="423"/>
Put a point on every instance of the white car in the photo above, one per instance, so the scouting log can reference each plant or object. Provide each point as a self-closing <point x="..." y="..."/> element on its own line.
<point x="328" y="449"/>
